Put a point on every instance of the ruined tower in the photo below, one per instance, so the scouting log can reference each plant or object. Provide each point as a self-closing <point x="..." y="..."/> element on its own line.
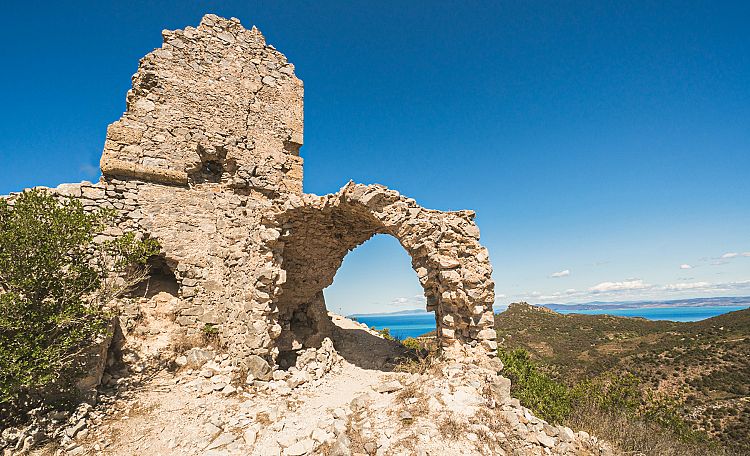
<point x="206" y="159"/>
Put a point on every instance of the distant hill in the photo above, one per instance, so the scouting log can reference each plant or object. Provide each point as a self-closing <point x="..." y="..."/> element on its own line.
<point x="705" y="362"/>
<point x="400" y="312"/>
<point x="694" y="302"/>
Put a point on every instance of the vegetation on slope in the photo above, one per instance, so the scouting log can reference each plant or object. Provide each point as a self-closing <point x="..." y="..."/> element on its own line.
<point x="702" y="367"/>
<point x="54" y="281"/>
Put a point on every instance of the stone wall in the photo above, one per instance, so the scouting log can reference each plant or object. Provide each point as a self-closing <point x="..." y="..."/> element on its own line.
<point x="206" y="161"/>
<point x="213" y="104"/>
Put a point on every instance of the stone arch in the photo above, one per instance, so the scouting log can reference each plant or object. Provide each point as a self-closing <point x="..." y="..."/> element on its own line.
<point x="316" y="233"/>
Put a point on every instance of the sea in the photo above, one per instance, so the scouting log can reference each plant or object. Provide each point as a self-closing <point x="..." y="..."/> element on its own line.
<point x="401" y="326"/>
<point x="663" y="313"/>
<point x="413" y="325"/>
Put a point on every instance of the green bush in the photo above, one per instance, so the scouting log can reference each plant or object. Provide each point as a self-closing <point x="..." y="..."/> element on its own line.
<point x="412" y="344"/>
<point x="612" y="407"/>
<point x="548" y="399"/>
<point x="54" y="280"/>
<point x="385" y="332"/>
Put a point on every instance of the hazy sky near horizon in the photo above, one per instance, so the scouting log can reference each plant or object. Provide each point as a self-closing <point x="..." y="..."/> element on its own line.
<point x="604" y="145"/>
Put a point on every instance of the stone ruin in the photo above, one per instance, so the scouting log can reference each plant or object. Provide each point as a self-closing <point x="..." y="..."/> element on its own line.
<point x="206" y="160"/>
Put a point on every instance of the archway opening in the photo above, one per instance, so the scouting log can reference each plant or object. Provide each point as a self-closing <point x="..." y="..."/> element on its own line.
<point x="376" y="285"/>
<point x="315" y="243"/>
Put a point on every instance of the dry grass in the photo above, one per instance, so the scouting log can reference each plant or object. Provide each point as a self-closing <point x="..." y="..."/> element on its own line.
<point x="183" y="342"/>
<point x="451" y="427"/>
<point x="420" y="365"/>
<point x="263" y="419"/>
<point x="356" y="438"/>
<point x="633" y="436"/>
<point x="405" y="399"/>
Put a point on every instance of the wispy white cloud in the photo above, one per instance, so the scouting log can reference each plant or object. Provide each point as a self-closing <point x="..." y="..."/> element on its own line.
<point x="409" y="302"/>
<point x="89" y="169"/>
<point x="729" y="255"/>
<point x="686" y="266"/>
<point x="635" y="284"/>
<point x="746" y="254"/>
<point x="686" y="286"/>
<point x="564" y="273"/>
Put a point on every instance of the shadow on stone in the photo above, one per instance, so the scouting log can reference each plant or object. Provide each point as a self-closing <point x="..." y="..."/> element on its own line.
<point x="367" y="351"/>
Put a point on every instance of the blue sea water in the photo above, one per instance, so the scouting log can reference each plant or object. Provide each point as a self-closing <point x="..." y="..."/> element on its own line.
<point x="663" y="313"/>
<point x="401" y="326"/>
<point x="413" y="325"/>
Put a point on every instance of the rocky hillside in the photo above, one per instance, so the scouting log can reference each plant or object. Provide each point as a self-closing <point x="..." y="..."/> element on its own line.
<point x="706" y="364"/>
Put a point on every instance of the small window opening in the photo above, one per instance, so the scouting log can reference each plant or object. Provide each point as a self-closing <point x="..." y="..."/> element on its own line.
<point x="159" y="278"/>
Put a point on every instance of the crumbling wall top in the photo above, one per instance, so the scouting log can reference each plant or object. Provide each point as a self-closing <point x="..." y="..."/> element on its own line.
<point x="215" y="104"/>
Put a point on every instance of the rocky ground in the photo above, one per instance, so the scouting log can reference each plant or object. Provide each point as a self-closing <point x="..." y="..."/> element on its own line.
<point x="327" y="404"/>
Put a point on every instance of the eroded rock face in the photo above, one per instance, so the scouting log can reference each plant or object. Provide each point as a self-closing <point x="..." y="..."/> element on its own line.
<point x="206" y="160"/>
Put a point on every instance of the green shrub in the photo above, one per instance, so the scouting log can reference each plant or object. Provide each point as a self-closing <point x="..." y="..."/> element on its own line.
<point x="386" y="333"/>
<point x="210" y="333"/>
<point x="53" y="282"/>
<point x="412" y="344"/>
<point x="612" y="407"/>
<point x="548" y="399"/>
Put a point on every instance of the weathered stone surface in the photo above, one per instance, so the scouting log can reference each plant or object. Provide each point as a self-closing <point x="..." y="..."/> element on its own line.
<point x="258" y="367"/>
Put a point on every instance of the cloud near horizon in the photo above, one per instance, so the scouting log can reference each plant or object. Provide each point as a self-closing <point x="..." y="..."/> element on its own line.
<point x="686" y="266"/>
<point x="729" y="255"/>
<point x="564" y="273"/>
<point x="409" y="302"/>
<point x="620" y="290"/>
<point x="635" y="284"/>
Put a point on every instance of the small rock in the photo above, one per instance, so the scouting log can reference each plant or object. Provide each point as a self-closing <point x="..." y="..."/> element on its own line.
<point x="249" y="436"/>
<point x="196" y="357"/>
<point x="300" y="448"/>
<point x="224" y="439"/>
<point x="566" y="434"/>
<point x="370" y="447"/>
<point x="320" y="435"/>
<point x="545" y="440"/>
<point x="341" y="446"/>
<point x="258" y="368"/>
<point x="389" y="387"/>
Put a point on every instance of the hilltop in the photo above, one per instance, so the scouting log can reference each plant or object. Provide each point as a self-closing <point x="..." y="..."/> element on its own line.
<point x="706" y="364"/>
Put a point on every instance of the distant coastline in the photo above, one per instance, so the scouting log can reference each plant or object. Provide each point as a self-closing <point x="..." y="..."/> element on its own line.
<point x="731" y="301"/>
<point x="719" y="301"/>
<point x="385" y="314"/>
<point x="417" y="322"/>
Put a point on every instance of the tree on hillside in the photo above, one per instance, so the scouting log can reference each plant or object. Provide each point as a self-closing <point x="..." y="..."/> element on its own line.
<point x="54" y="281"/>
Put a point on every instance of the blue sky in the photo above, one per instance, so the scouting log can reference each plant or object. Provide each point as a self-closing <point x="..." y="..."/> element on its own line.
<point x="610" y="140"/>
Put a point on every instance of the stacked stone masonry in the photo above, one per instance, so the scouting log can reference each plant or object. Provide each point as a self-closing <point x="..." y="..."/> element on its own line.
<point x="206" y="161"/>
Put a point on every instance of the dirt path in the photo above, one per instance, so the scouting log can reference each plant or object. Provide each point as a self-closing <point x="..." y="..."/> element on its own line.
<point x="192" y="411"/>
